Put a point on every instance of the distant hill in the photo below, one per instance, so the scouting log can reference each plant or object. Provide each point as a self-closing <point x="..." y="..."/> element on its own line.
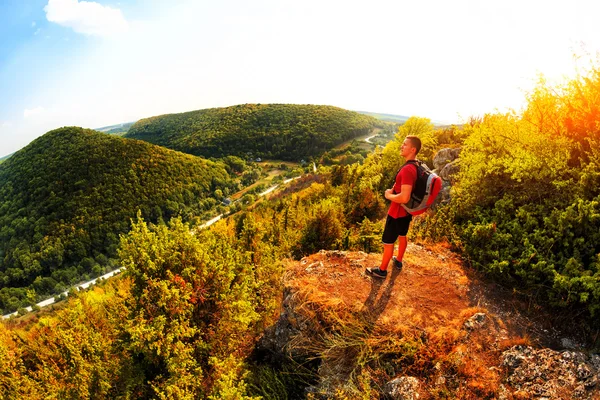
<point x="2" y="159"/>
<point x="400" y="119"/>
<point x="118" y="129"/>
<point x="66" y="197"/>
<point x="282" y="131"/>
<point x="386" y="117"/>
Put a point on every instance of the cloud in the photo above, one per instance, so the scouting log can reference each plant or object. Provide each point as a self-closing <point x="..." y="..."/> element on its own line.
<point x="5" y="124"/>
<point x="37" y="31"/>
<point x="33" y="112"/>
<point x="86" y="17"/>
<point x="33" y="24"/>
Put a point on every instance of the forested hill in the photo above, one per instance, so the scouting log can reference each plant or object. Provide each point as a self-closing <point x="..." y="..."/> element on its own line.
<point x="282" y="131"/>
<point x="66" y="197"/>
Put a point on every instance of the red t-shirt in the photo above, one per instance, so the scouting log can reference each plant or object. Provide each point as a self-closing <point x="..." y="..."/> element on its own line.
<point x="406" y="176"/>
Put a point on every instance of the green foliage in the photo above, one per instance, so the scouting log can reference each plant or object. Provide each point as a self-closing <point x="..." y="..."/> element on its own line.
<point x="423" y="128"/>
<point x="73" y="354"/>
<point x="66" y="197"/>
<point x="450" y="136"/>
<point x="197" y="302"/>
<point x="324" y="229"/>
<point x="285" y="380"/>
<point x="185" y="316"/>
<point x="281" y="131"/>
<point x="526" y="207"/>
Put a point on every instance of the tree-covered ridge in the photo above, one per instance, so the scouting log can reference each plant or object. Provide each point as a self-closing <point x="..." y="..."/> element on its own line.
<point x="281" y="131"/>
<point x="66" y="197"/>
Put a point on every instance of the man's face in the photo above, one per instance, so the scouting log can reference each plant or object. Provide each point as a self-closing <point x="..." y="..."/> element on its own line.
<point x="405" y="149"/>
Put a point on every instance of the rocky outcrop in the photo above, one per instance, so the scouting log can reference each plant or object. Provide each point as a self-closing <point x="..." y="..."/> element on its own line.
<point x="445" y="156"/>
<point x="450" y="171"/>
<point x="550" y="374"/>
<point x="447" y="165"/>
<point x="365" y="331"/>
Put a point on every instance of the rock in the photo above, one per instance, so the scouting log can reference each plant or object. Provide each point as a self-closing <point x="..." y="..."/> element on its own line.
<point x="546" y="373"/>
<point x="276" y="338"/>
<point x="503" y="393"/>
<point x="450" y="171"/>
<point x="512" y="359"/>
<point x="476" y="321"/>
<point x="568" y="344"/>
<point x="403" y="388"/>
<point x="595" y="360"/>
<point x="445" y="156"/>
<point x="444" y="196"/>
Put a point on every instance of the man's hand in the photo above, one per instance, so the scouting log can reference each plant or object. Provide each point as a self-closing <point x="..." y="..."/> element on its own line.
<point x="402" y="198"/>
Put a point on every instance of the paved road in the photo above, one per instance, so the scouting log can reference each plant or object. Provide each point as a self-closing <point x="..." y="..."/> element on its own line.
<point x="85" y="285"/>
<point x="368" y="140"/>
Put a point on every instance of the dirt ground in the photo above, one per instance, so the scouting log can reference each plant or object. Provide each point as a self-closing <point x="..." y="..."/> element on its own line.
<point x="433" y="289"/>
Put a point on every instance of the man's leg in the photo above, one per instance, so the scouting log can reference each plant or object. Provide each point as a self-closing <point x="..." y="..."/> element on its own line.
<point x="402" y="242"/>
<point x="390" y="234"/>
<point x="388" y="252"/>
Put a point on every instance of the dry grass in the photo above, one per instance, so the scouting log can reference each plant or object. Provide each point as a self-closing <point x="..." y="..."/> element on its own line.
<point x="367" y="332"/>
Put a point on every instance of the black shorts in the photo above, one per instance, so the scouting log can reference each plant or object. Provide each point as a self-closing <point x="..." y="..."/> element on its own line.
<point x="395" y="227"/>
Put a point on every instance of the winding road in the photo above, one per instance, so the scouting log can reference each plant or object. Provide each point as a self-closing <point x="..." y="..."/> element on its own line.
<point x="86" y="285"/>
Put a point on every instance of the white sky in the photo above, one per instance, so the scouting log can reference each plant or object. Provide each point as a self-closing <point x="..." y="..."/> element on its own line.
<point x="445" y="60"/>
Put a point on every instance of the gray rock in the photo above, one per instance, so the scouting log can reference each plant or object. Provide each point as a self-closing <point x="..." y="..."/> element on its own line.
<point x="569" y="344"/>
<point x="444" y="157"/>
<point x="546" y="373"/>
<point x="444" y="196"/>
<point x="450" y="171"/>
<point x="595" y="360"/>
<point x="403" y="388"/>
<point x="476" y="321"/>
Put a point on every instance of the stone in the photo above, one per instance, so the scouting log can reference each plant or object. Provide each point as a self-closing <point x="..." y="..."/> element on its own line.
<point x="444" y="196"/>
<point x="403" y="388"/>
<point x="445" y="156"/>
<point x="568" y="344"/>
<point x="476" y="321"/>
<point x="546" y="373"/>
<point x="450" y="171"/>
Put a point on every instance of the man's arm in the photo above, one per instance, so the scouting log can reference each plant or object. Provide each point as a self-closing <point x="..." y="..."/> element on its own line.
<point x="402" y="198"/>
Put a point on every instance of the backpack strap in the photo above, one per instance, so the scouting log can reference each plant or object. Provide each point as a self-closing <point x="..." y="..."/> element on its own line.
<point x="416" y="163"/>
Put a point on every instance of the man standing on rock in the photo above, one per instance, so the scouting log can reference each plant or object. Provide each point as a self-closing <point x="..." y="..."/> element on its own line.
<point x="398" y="219"/>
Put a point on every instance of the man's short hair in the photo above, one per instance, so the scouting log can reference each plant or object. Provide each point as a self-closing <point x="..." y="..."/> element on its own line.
<point x="415" y="141"/>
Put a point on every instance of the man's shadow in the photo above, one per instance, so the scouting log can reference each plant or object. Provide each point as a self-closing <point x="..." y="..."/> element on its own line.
<point x="347" y="356"/>
<point x="374" y="306"/>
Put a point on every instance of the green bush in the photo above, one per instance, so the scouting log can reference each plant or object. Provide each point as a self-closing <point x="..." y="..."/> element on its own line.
<point x="526" y="207"/>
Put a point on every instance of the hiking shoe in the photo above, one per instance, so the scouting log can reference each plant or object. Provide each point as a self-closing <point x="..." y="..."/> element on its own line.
<point x="376" y="272"/>
<point x="397" y="264"/>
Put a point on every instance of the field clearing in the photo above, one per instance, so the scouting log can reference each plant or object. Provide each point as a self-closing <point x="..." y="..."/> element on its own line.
<point x="360" y="139"/>
<point x="272" y="173"/>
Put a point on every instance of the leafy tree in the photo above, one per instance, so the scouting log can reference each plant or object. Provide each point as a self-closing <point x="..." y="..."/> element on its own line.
<point x="424" y="129"/>
<point x="189" y="293"/>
